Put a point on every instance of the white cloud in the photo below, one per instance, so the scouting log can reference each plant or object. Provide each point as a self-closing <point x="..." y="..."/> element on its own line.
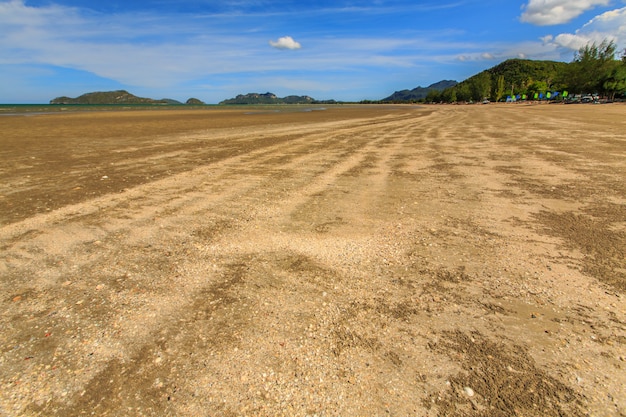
<point x="613" y="21"/>
<point x="126" y="48"/>
<point x="607" y="26"/>
<point x="286" y="42"/>
<point x="555" y="12"/>
<point x="571" y="41"/>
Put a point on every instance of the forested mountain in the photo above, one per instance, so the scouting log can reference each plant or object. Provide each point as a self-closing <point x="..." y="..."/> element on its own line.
<point x="418" y="93"/>
<point x="523" y="72"/>
<point x="593" y="71"/>
<point x="511" y="77"/>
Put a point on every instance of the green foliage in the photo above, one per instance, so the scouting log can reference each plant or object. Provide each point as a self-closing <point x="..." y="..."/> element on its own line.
<point x="481" y="86"/>
<point x="536" y="87"/>
<point x="500" y="88"/>
<point x="433" y="96"/>
<point x="449" y="95"/>
<point x="615" y="80"/>
<point x="514" y="76"/>
<point x="591" y="66"/>
<point x="519" y="73"/>
<point x="463" y="92"/>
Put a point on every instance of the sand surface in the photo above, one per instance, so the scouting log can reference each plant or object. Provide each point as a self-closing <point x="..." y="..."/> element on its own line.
<point x="353" y="261"/>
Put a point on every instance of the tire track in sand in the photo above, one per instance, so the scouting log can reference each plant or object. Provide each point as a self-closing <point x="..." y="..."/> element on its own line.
<point x="125" y="236"/>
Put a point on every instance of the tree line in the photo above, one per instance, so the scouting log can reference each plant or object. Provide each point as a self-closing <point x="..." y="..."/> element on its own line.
<point x="594" y="70"/>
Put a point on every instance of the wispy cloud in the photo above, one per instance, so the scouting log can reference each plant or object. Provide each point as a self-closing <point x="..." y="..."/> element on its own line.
<point x="131" y="49"/>
<point x="555" y="12"/>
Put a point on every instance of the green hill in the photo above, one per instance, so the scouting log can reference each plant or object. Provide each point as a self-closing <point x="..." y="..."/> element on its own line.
<point x="513" y="76"/>
<point x="517" y="76"/>
<point x="523" y="72"/>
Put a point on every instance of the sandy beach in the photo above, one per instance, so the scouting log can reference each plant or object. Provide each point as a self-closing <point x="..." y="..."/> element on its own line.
<point x="347" y="261"/>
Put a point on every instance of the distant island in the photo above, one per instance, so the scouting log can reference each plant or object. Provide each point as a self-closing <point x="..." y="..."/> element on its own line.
<point x="124" y="97"/>
<point x="270" y="98"/>
<point x="118" y="97"/>
<point x="195" y="102"/>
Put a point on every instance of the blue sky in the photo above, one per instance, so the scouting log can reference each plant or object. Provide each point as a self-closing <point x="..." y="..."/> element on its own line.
<point x="341" y="49"/>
